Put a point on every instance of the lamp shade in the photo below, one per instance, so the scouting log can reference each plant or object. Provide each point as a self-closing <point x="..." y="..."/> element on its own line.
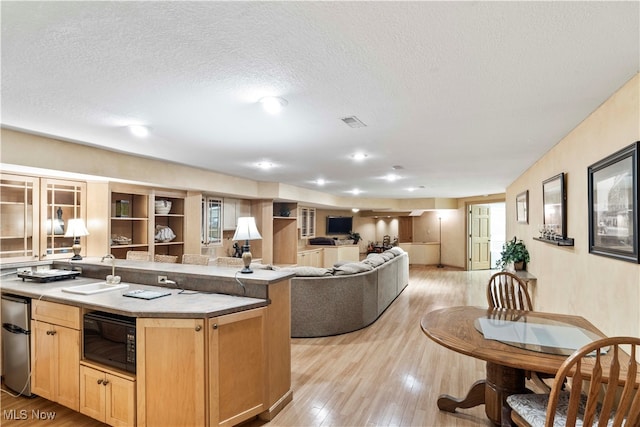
<point x="247" y="229"/>
<point x="76" y="228"/>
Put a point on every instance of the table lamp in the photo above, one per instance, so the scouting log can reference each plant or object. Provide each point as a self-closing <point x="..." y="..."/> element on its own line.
<point x="76" y="229"/>
<point x="246" y="230"/>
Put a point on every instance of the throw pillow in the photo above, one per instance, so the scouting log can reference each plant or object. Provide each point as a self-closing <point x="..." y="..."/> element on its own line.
<point x="352" y="268"/>
<point x="310" y="271"/>
<point x="397" y="250"/>
<point x="374" y="260"/>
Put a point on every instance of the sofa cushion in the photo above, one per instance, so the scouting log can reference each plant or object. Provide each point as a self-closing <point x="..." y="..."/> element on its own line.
<point x="374" y="260"/>
<point x="388" y="252"/>
<point x="309" y="271"/>
<point x="352" y="268"/>
<point x="343" y="262"/>
<point x="397" y="250"/>
<point x="387" y="255"/>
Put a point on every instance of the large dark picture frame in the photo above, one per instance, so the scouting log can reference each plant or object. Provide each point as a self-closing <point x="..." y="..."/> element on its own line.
<point x="554" y="206"/>
<point x="613" y="205"/>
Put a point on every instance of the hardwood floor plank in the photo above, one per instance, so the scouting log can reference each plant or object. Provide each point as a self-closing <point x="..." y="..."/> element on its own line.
<point x="388" y="374"/>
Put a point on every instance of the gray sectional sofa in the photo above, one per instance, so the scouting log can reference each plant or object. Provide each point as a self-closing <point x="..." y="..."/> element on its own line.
<point x="347" y="297"/>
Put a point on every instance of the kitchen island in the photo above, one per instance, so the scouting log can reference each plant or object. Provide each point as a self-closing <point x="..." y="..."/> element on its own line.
<point x="215" y="351"/>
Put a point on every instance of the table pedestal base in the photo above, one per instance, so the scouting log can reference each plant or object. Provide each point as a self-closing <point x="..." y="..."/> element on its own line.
<point x="501" y="382"/>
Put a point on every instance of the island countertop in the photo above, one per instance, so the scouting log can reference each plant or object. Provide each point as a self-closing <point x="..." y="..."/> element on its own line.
<point x="186" y="304"/>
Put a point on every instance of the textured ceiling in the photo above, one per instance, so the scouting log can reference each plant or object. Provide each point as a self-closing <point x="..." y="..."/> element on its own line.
<point x="463" y="95"/>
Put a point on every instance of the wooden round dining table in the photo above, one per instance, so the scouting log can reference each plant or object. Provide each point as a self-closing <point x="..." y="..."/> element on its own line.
<point x="456" y="328"/>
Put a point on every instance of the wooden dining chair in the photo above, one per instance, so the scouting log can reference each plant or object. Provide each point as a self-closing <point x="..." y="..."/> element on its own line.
<point x="603" y="389"/>
<point x="195" y="259"/>
<point x="506" y="290"/>
<point x="166" y="258"/>
<point x="138" y="255"/>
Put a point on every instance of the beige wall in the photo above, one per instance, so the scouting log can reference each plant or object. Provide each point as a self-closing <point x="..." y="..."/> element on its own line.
<point x="570" y="280"/>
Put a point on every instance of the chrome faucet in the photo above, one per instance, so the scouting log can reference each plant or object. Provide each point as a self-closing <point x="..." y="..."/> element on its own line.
<point x="113" y="279"/>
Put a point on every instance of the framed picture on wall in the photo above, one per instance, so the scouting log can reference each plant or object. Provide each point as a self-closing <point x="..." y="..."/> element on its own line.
<point x="554" y="207"/>
<point x="613" y="205"/>
<point x="522" y="207"/>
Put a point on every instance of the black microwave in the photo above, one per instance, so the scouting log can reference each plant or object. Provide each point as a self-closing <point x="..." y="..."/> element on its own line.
<point x="110" y="339"/>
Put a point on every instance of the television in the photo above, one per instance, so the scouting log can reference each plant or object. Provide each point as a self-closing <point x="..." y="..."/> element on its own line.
<point x="339" y="224"/>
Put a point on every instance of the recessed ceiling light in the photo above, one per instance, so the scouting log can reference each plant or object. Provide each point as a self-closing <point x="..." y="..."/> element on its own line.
<point x="358" y="156"/>
<point x="140" y="131"/>
<point x="410" y="189"/>
<point x="355" y="191"/>
<point x="320" y="182"/>
<point x="392" y="177"/>
<point x="355" y="210"/>
<point x="273" y="104"/>
<point x="264" y="165"/>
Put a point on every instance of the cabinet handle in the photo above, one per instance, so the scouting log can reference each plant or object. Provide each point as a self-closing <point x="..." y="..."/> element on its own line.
<point x="100" y="381"/>
<point x="105" y="382"/>
<point x="48" y="332"/>
<point x="53" y="332"/>
<point x="198" y="328"/>
<point x="215" y="326"/>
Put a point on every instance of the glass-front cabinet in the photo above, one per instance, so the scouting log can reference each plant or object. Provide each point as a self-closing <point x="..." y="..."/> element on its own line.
<point x="60" y="202"/>
<point x="19" y="213"/>
<point x="211" y="221"/>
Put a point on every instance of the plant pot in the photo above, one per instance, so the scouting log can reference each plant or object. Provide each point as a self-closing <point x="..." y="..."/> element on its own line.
<point x="518" y="266"/>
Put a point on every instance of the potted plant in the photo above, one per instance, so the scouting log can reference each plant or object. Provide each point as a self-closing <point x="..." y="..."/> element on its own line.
<point x="355" y="236"/>
<point x="514" y="251"/>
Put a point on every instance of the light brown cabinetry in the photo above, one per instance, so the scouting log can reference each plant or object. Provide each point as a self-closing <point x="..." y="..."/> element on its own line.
<point x="310" y="258"/>
<point x="20" y="213"/>
<point x="232" y="209"/>
<point x="237" y="367"/>
<point x="170" y="373"/>
<point x="285" y="240"/>
<point x="107" y="396"/>
<point x="55" y="343"/>
<point x="174" y="357"/>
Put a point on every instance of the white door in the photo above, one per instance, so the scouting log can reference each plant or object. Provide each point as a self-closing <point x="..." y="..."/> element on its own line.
<point x="480" y="237"/>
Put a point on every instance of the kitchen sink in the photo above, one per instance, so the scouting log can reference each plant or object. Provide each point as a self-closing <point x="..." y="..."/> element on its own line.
<point x="94" y="288"/>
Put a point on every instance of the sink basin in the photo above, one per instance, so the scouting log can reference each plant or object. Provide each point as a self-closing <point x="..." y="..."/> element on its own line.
<point x="94" y="288"/>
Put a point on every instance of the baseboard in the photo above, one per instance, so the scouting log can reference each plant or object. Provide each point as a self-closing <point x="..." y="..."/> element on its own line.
<point x="276" y="407"/>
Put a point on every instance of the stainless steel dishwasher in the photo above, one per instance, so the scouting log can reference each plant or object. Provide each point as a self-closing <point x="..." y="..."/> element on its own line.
<point x="16" y="354"/>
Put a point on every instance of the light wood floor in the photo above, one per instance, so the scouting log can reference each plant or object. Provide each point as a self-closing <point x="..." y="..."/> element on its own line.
<point x="388" y="374"/>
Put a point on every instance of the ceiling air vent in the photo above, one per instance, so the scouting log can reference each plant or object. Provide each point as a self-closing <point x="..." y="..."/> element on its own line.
<point x="353" y="122"/>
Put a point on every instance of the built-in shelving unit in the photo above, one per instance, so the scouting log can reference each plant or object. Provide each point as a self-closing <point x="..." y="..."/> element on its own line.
<point x="130" y="225"/>
<point x="285" y="234"/>
<point x="557" y="242"/>
<point x="175" y="221"/>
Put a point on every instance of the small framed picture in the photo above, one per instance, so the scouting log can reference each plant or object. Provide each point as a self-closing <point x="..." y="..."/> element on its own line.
<point x="613" y="205"/>
<point x="522" y="207"/>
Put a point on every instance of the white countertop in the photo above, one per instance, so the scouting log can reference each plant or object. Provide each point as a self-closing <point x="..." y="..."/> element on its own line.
<point x="177" y="305"/>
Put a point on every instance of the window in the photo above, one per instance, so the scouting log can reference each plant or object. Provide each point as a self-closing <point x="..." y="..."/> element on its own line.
<point x="211" y="230"/>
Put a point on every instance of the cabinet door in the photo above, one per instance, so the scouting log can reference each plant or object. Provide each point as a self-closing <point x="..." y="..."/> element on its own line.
<point x="43" y="351"/>
<point x="20" y="213"/>
<point x="55" y="363"/>
<point x="120" y="401"/>
<point x="311" y="223"/>
<point x="237" y="367"/>
<point x="92" y="393"/>
<point x="67" y="366"/>
<point x="60" y="202"/>
<point x="170" y="372"/>
<point x="229" y="214"/>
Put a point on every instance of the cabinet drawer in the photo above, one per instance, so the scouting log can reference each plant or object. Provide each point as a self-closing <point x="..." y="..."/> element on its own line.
<point x="58" y="314"/>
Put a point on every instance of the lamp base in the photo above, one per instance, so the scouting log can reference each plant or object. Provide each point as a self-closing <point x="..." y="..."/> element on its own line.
<point x="76" y="248"/>
<point x="246" y="259"/>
